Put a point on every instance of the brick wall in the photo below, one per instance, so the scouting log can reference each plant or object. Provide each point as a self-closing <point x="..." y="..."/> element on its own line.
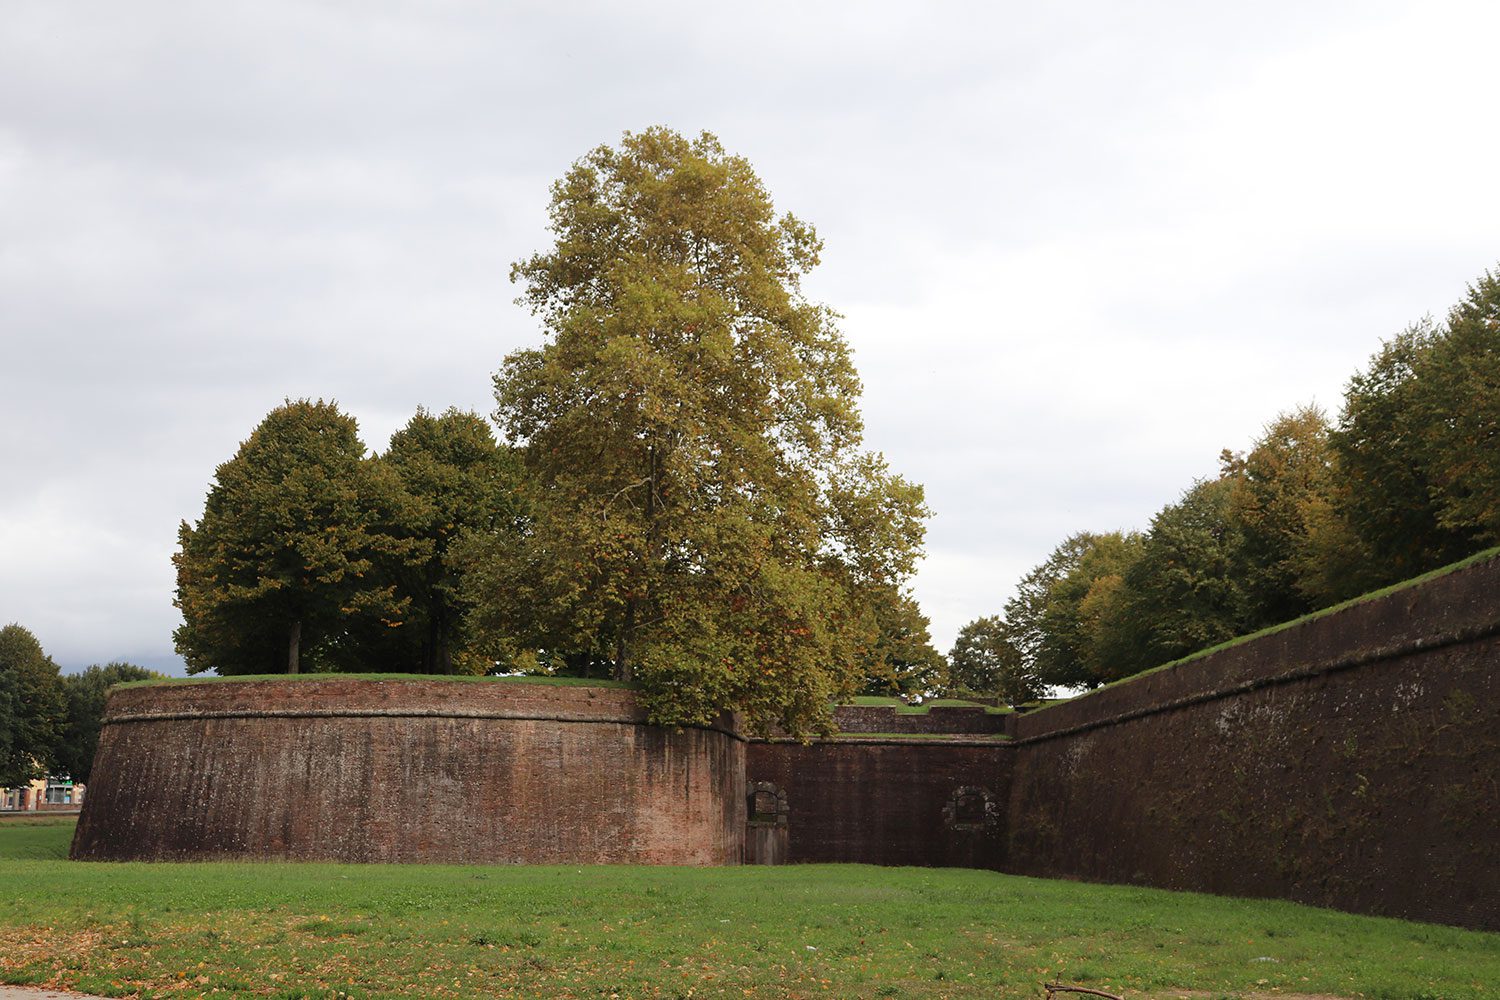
<point x="1350" y="761"/>
<point x="890" y="802"/>
<point x="432" y="771"/>
<point x="956" y="719"/>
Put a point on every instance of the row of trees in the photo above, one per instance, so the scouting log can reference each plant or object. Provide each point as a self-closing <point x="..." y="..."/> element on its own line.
<point x="314" y="554"/>
<point x="682" y="500"/>
<point x="1406" y="480"/>
<point x="49" y="723"/>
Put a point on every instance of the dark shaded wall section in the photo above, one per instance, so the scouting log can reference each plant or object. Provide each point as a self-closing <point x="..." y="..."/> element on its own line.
<point x="936" y="803"/>
<point x="399" y="770"/>
<point x="1350" y="761"/>
<point x="955" y="719"/>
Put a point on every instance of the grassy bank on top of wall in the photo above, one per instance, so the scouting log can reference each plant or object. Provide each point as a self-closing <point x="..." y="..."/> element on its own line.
<point x="456" y="678"/>
<point x="1477" y="558"/>
<point x="904" y="708"/>
<point x="365" y="932"/>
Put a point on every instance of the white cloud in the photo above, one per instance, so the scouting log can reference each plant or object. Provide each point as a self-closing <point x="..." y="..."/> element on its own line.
<point x="1080" y="248"/>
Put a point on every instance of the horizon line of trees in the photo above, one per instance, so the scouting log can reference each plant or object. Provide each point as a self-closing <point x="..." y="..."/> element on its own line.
<point x="49" y="721"/>
<point x="1316" y="512"/>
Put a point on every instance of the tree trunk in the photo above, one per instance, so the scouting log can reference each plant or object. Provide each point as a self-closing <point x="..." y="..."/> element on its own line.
<point x="622" y="644"/>
<point x="430" y="663"/>
<point x="442" y="654"/>
<point x="294" y="648"/>
<point x="624" y="668"/>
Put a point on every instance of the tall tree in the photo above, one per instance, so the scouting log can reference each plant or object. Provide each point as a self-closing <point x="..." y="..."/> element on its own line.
<point x="86" y="694"/>
<point x="1065" y="652"/>
<point x="1184" y="592"/>
<point x="1459" y="392"/>
<point x="1285" y="480"/>
<point x="1384" y="446"/>
<point x="277" y="567"/>
<point x="698" y="509"/>
<point x="455" y="478"/>
<point x="1025" y="617"/>
<point x="901" y="659"/>
<point x="986" y="661"/>
<point x="32" y="708"/>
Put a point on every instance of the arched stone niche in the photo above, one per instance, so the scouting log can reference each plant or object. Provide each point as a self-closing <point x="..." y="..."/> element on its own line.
<point x="767" y="833"/>
<point x="766" y="805"/>
<point x="971" y="808"/>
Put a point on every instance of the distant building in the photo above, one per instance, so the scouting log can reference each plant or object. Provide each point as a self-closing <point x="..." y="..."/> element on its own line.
<point x="55" y="792"/>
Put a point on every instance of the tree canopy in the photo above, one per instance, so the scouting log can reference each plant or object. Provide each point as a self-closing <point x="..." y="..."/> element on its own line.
<point x="699" y="513"/>
<point x="986" y="660"/>
<point x="283" y="560"/>
<point x="32" y="708"/>
<point x="1408" y="479"/>
<point x="86" y="693"/>
<point x="451" y="477"/>
<point x="902" y="661"/>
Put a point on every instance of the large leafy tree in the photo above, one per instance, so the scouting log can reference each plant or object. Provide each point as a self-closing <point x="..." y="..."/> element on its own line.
<point x="86" y="694"/>
<point x="453" y="478"/>
<point x="1052" y="622"/>
<point x="282" y="560"/>
<point x="901" y="660"/>
<point x="1279" y="489"/>
<point x="32" y="707"/>
<point x="1184" y="592"/>
<point x="1025" y="612"/>
<point x="1384" y="447"/>
<point x="1066" y="651"/>
<point x="699" y="512"/>
<point x="1417" y="480"/>
<point x="1460" y="405"/>
<point x="985" y="660"/>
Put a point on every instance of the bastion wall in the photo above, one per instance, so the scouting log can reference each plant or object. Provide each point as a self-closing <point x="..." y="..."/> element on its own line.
<point x="1350" y="760"/>
<point x="408" y="770"/>
<point x="889" y="800"/>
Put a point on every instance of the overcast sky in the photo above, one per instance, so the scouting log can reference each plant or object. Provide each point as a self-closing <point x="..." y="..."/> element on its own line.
<point x="1080" y="247"/>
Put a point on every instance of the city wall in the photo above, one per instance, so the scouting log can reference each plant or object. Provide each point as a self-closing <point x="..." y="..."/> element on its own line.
<point x="888" y="800"/>
<point x="408" y="770"/>
<point x="1350" y="760"/>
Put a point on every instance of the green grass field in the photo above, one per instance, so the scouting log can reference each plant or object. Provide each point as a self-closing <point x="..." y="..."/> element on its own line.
<point x="334" y="931"/>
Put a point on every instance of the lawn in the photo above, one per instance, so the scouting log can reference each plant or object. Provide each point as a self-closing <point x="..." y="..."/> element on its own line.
<point x="334" y="931"/>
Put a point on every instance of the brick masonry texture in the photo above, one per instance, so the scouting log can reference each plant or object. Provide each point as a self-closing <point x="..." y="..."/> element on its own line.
<point x="889" y="802"/>
<point x="955" y="719"/>
<point x="1351" y="760"/>
<point x="396" y="770"/>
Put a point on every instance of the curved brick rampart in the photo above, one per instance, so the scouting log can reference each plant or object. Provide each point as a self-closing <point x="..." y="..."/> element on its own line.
<point x="408" y="770"/>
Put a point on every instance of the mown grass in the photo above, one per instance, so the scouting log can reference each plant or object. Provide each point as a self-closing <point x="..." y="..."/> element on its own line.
<point x="902" y="708"/>
<point x="948" y="737"/>
<point x="378" y="931"/>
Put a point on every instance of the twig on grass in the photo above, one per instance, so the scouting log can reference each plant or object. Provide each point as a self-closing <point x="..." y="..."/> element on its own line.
<point x="1052" y="988"/>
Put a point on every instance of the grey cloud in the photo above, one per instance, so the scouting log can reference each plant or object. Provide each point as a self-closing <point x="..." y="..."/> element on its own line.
<point x="1080" y="248"/>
